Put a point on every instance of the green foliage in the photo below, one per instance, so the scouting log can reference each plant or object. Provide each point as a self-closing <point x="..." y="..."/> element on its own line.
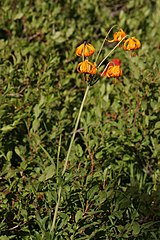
<point x="111" y="189"/>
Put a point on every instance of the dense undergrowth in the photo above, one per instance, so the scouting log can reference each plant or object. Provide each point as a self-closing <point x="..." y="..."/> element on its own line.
<point x="111" y="189"/>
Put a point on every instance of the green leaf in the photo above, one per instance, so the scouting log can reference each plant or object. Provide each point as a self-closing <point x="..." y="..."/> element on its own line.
<point x="9" y="155"/>
<point x="20" y="152"/>
<point x="2" y="44"/>
<point x="136" y="228"/>
<point x="18" y="16"/>
<point x="157" y="125"/>
<point x="78" y="216"/>
<point x="70" y="31"/>
<point x="79" y="150"/>
<point x="7" y="128"/>
<point x="48" y="173"/>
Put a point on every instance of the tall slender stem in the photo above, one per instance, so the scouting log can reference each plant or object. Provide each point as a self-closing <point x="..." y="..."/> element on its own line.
<point x="67" y="157"/>
<point x="56" y="209"/>
<point x="75" y="129"/>
<point x="58" y="154"/>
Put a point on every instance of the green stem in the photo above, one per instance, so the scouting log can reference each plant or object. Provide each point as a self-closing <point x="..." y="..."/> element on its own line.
<point x="56" y="209"/>
<point x="75" y="129"/>
<point x="58" y="154"/>
<point x="67" y="157"/>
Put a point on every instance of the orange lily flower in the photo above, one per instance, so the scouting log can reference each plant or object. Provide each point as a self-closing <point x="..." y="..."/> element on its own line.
<point x="118" y="36"/>
<point x="86" y="67"/>
<point x="113" y="62"/>
<point x="132" y="44"/>
<point x="85" y="49"/>
<point x="113" y="71"/>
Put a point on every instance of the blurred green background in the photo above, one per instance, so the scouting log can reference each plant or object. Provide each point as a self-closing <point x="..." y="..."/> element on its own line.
<point x="111" y="187"/>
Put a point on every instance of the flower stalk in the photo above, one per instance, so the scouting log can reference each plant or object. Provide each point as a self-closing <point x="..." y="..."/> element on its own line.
<point x="67" y="157"/>
<point x="89" y="70"/>
<point x="75" y="129"/>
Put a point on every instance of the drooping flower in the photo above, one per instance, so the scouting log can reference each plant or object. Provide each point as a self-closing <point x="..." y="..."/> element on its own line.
<point x="113" y="71"/>
<point x="131" y="44"/>
<point x="118" y="36"/>
<point x="85" y="49"/>
<point x="113" y="62"/>
<point x="86" y="67"/>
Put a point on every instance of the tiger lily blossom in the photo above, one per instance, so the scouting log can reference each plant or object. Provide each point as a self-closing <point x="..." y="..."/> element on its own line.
<point x="131" y="44"/>
<point x="112" y="63"/>
<point x="118" y="36"/>
<point x="85" y="49"/>
<point x="86" y="67"/>
<point x="113" y="71"/>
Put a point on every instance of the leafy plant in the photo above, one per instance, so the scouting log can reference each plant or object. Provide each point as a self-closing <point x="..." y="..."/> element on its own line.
<point x="110" y="185"/>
